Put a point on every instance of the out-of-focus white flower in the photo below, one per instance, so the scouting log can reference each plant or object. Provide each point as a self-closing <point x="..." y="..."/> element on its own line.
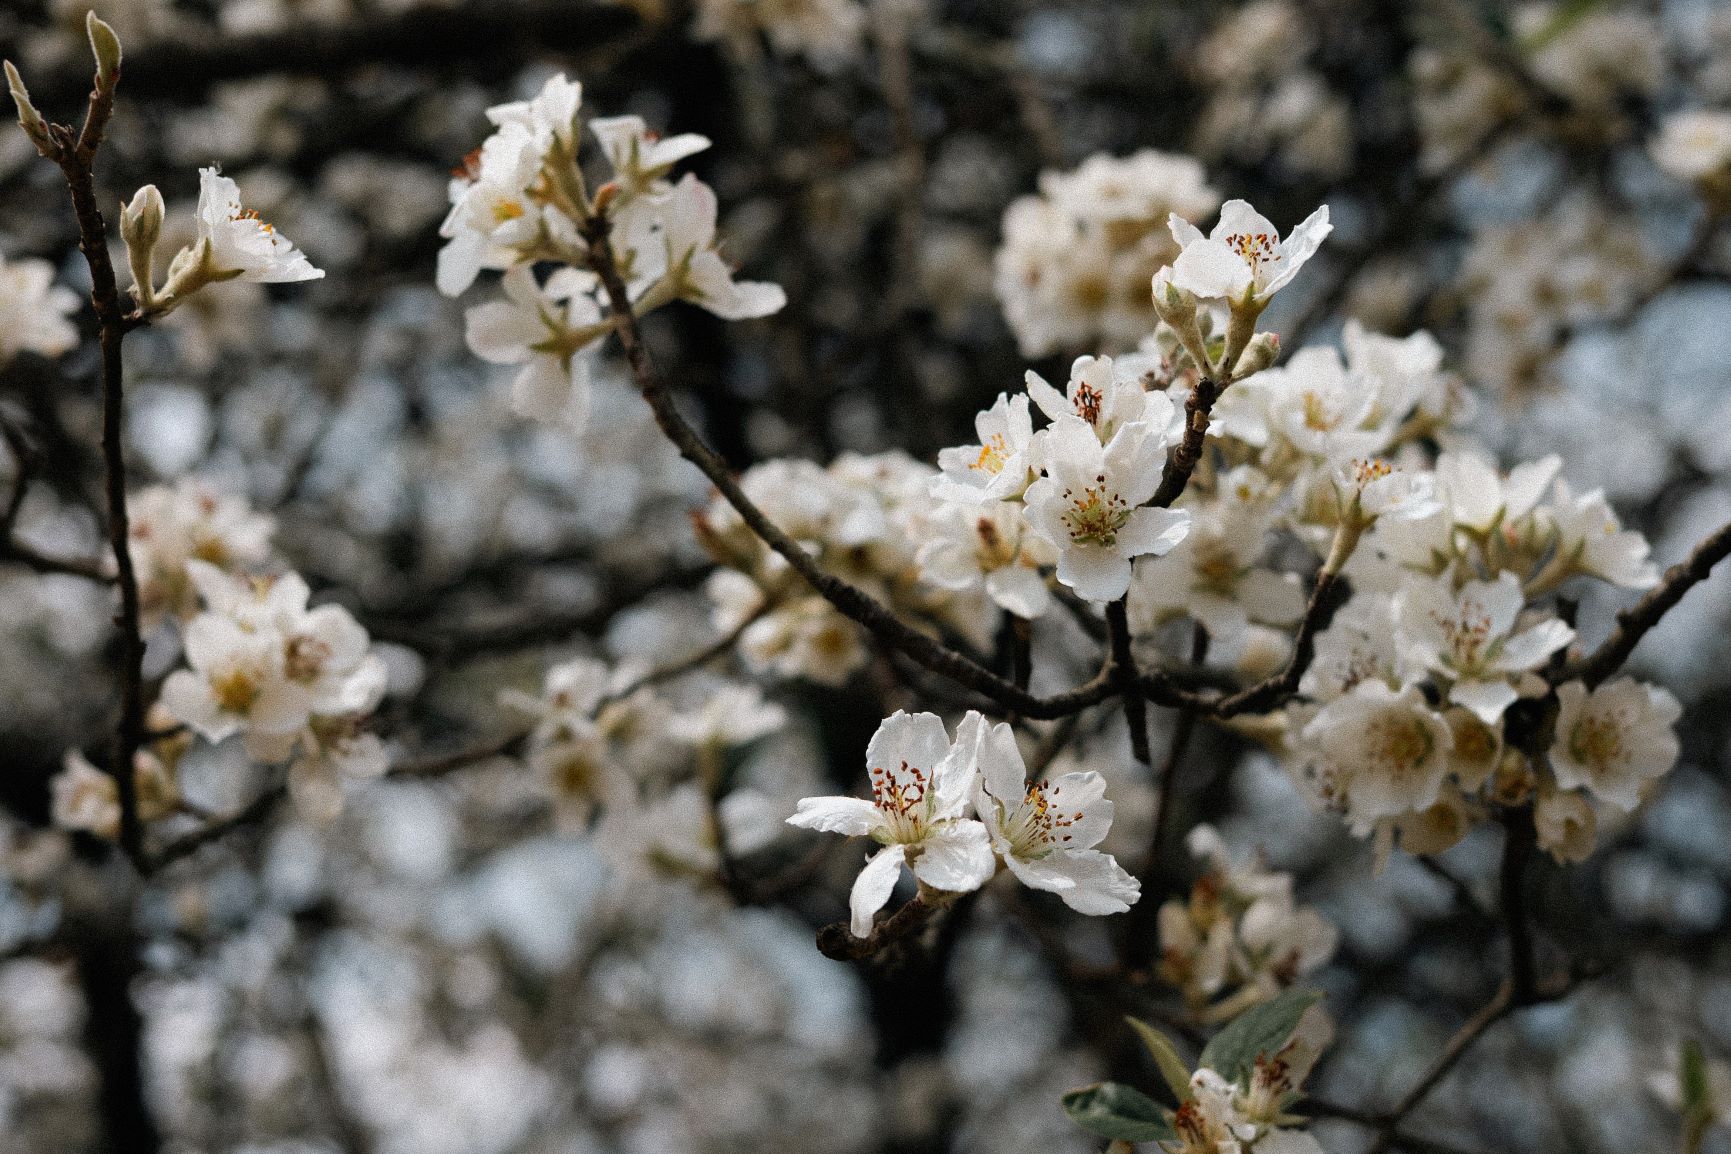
<point x="1589" y="533"/>
<point x="548" y="329"/>
<point x="921" y="785"/>
<point x="237" y="682"/>
<point x="1469" y="637"/>
<point x="828" y="33"/>
<point x="1090" y="505"/>
<point x="732" y="715"/>
<point x="1075" y="263"/>
<point x="236" y="245"/>
<point x="549" y="116"/>
<point x="1694" y="144"/>
<point x="33" y="310"/>
<point x="1239" y="933"/>
<point x="1046" y="831"/>
<point x="85" y="798"/>
<point x="1244" y="257"/>
<point x="171" y="526"/>
<point x="1614" y="740"/>
<point x="1566" y="825"/>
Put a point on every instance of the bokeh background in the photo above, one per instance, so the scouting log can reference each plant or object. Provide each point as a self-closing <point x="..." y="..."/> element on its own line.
<point x="442" y="970"/>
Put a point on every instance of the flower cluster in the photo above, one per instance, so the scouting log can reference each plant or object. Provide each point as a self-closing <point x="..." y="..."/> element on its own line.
<point x="952" y="810"/>
<point x="1074" y="265"/>
<point x="173" y="525"/>
<point x="1238" y="1100"/>
<point x="863" y="518"/>
<point x="520" y="203"/>
<point x="1450" y="624"/>
<point x="297" y="683"/>
<point x="606" y="743"/>
<point x="1238" y="939"/>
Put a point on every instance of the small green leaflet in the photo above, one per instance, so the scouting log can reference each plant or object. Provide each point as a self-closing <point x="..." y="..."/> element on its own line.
<point x="1114" y="1110"/>
<point x="1263" y="1029"/>
<point x="1172" y="1067"/>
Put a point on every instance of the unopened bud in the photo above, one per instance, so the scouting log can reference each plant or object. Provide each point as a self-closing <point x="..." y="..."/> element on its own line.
<point x="1177" y="307"/>
<point x="106" y="45"/>
<point x="34" y="126"/>
<point x="141" y="228"/>
<point x="1259" y="354"/>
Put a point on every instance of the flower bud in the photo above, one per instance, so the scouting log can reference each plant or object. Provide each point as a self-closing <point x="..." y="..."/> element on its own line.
<point x="34" y="126"/>
<point x="141" y="228"/>
<point x="1177" y="307"/>
<point x="106" y="45"/>
<point x="1259" y="354"/>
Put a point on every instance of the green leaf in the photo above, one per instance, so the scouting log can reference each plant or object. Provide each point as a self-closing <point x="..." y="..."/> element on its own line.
<point x="1114" y="1110"/>
<point x="1172" y="1067"/>
<point x="1260" y="1030"/>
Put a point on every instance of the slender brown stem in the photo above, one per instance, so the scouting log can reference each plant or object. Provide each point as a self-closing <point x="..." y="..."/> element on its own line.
<point x="1634" y="622"/>
<point x="1520" y="840"/>
<point x="1176" y="477"/>
<point x="1126" y="678"/>
<point x="1183" y="730"/>
<point x="849" y="599"/>
<point x="75" y="153"/>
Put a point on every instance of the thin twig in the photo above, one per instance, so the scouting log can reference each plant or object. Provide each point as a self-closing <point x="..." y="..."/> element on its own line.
<point x="1634" y="622"/>
<point x="849" y="599"/>
<point x="75" y="153"/>
<point x="1126" y="678"/>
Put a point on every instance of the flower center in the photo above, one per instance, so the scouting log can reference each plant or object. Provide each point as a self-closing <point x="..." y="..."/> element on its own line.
<point x="1035" y="829"/>
<point x="1254" y="247"/>
<point x="1095" y="514"/>
<point x="993" y="455"/>
<point x="304" y="658"/>
<point x="235" y="689"/>
<point x="902" y="794"/>
<point x="252" y="215"/>
<point x="1468" y="634"/>
<point x="1088" y="401"/>
<point x="1597" y="740"/>
<point x="1399" y="745"/>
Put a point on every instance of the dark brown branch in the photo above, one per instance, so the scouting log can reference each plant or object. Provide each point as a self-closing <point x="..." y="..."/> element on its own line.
<point x="1634" y="622"/>
<point x="849" y="599"/>
<point x="75" y="153"/>
<point x="261" y="806"/>
<point x="16" y="552"/>
<point x="1176" y="477"/>
<point x="837" y="941"/>
<point x="1127" y="680"/>
<point x="1520" y="840"/>
<point x="1183" y="730"/>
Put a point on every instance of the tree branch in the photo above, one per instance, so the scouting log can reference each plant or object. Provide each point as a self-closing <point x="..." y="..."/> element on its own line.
<point x="1634" y="622"/>
<point x="849" y="599"/>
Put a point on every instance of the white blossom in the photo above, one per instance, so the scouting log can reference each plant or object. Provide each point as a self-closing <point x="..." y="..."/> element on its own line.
<point x="1381" y="752"/>
<point x="1470" y="637"/>
<point x="236" y="244"/>
<point x="922" y="783"/>
<point x="1090" y="506"/>
<point x="548" y="329"/>
<point x="1046" y="831"/>
<point x="1243" y="258"/>
<point x="987" y="546"/>
<point x="34" y="310"/>
<point x="1614" y="740"/>
<point x="696" y="269"/>
<point x="1001" y="466"/>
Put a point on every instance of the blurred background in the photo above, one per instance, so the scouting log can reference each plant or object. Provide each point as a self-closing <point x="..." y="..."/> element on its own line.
<point x="445" y="969"/>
